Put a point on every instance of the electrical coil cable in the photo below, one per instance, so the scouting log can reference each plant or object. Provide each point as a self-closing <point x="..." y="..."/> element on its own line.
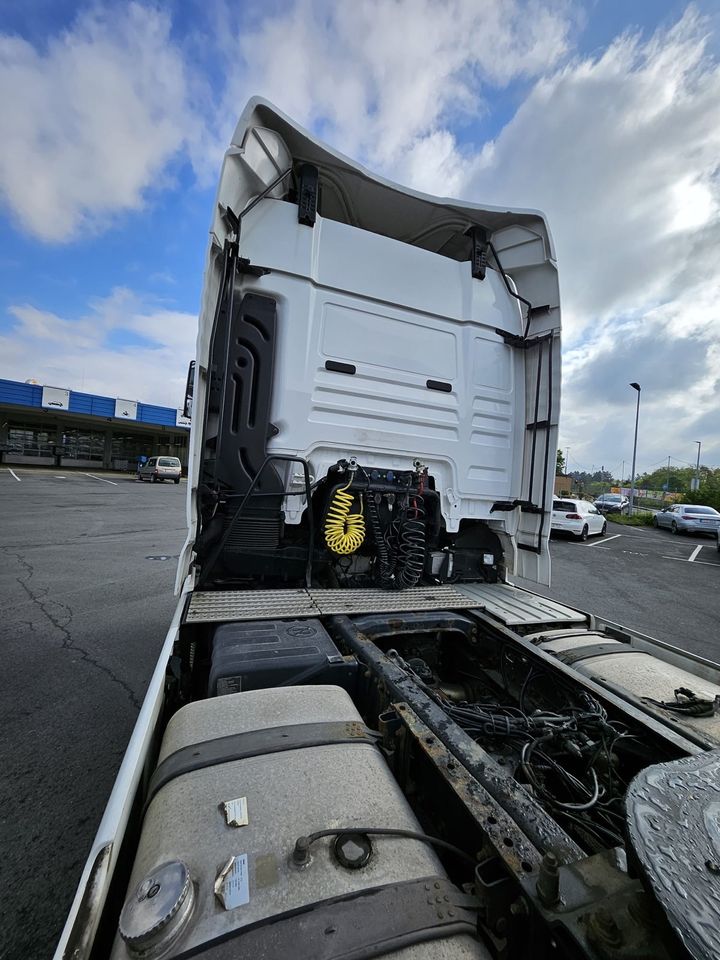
<point x="344" y="531"/>
<point x="411" y="545"/>
<point x="385" y="568"/>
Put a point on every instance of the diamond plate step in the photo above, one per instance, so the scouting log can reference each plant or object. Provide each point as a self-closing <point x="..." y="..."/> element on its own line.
<point x="214" y="607"/>
<point x="221" y="605"/>
<point x="510" y="605"/>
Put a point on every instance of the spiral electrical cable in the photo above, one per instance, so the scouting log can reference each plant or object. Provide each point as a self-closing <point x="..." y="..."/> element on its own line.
<point x="411" y="545"/>
<point x="344" y="531"/>
<point x="385" y="568"/>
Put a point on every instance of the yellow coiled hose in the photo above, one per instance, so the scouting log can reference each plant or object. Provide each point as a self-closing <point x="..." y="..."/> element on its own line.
<point x="344" y="531"/>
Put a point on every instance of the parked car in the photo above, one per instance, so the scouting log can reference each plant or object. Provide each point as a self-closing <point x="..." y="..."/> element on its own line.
<point x="160" y="468"/>
<point x="688" y="518"/>
<point x="578" y="517"/>
<point x="612" y="503"/>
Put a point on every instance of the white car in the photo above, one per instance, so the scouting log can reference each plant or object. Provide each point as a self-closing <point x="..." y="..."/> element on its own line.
<point x="160" y="468"/>
<point x="578" y="517"/>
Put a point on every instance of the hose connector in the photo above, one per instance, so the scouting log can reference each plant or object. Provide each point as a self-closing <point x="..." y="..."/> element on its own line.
<point x="301" y="852"/>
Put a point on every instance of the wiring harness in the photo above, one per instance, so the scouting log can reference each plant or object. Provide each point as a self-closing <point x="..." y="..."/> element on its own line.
<point x="565" y="758"/>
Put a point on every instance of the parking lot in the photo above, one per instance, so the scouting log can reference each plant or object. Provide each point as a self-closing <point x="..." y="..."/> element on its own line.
<point x="662" y="585"/>
<point x="87" y="579"/>
<point x="88" y="565"/>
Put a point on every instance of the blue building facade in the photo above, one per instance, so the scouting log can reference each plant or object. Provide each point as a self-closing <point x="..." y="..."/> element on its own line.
<point x="48" y="426"/>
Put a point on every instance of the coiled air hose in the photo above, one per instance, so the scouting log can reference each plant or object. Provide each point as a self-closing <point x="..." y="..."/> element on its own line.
<point x="411" y="545"/>
<point x="344" y="531"/>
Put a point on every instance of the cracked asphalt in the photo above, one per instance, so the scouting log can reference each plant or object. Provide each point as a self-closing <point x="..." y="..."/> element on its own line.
<point x="84" y="616"/>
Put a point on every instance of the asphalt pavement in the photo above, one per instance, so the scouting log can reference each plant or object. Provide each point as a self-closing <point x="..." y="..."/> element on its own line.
<point x="662" y="585"/>
<point x="86" y="576"/>
<point x="87" y="573"/>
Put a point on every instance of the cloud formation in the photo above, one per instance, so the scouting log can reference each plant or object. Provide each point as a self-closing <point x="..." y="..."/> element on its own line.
<point x="125" y="345"/>
<point x="621" y="151"/>
<point x="90" y="121"/>
<point x="620" y="148"/>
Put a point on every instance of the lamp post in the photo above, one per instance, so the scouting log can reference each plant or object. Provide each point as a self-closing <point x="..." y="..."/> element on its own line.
<point x="635" y="386"/>
<point x="697" y="468"/>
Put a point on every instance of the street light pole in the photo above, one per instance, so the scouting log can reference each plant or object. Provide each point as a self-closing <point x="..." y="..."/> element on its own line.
<point x="697" y="468"/>
<point x="635" y="386"/>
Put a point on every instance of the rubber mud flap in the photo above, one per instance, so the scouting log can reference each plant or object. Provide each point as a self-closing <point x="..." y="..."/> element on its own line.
<point x="673" y="812"/>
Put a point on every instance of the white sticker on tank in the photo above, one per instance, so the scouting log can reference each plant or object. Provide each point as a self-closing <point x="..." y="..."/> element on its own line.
<point x="232" y="886"/>
<point x="236" y="812"/>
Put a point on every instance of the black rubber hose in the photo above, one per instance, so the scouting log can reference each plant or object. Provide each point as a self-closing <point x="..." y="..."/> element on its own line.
<point x="303" y="844"/>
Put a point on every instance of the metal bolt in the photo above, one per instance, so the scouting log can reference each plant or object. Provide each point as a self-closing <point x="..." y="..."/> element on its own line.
<point x="437" y="884"/>
<point x="451" y="913"/>
<point x="603" y="925"/>
<point x="548" y="882"/>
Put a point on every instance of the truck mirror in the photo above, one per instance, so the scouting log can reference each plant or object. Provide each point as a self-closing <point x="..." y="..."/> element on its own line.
<point x="189" y="383"/>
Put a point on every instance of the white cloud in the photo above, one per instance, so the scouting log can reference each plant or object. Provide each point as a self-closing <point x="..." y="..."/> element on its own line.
<point x="124" y="345"/>
<point x="619" y="148"/>
<point x="90" y="121"/>
<point x="621" y="151"/>
<point x="382" y="80"/>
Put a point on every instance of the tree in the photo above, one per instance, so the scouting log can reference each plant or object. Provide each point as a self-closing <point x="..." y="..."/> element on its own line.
<point x="560" y="464"/>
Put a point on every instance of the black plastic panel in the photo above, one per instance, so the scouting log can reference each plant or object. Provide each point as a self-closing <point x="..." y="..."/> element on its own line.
<point x="247" y="395"/>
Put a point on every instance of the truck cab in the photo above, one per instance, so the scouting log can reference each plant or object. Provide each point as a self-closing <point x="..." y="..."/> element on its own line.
<point x="362" y="739"/>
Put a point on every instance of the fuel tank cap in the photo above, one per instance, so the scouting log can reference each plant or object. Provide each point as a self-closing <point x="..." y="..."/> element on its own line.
<point x="158" y="909"/>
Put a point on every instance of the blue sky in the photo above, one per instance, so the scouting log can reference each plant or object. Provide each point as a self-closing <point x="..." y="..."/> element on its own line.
<point x="605" y="114"/>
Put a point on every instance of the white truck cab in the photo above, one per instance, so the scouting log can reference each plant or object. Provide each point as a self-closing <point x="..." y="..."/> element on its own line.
<point x="361" y="739"/>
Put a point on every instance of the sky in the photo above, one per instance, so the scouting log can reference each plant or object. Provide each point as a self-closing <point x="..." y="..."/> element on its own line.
<point x="605" y="114"/>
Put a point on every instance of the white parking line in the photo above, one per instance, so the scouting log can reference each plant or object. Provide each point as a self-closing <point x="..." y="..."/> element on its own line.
<point x="702" y="563"/>
<point x="15" y="475"/>
<point x="60" y="478"/>
<point x="695" y="552"/>
<point x="598" y="542"/>
<point x="102" y="479"/>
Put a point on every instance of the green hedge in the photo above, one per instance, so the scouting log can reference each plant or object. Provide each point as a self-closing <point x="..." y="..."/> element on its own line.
<point x="636" y="520"/>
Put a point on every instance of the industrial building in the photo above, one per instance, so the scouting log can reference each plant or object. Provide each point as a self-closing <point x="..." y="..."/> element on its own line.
<point x="54" y="426"/>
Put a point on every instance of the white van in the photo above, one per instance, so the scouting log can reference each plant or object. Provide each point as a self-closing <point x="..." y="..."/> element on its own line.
<point x="160" y="468"/>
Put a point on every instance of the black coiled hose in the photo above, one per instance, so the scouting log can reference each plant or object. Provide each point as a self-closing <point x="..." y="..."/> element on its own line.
<point x="385" y="567"/>
<point x="411" y="544"/>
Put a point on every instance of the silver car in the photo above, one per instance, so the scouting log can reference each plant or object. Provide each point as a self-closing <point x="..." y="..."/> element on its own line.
<point x="160" y="468"/>
<point x="688" y="518"/>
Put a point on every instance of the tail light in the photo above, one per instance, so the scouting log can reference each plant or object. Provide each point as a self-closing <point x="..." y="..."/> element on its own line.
<point x="573" y="516"/>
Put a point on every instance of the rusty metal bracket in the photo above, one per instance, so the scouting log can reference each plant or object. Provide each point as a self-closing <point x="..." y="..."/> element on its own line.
<point x="509" y="842"/>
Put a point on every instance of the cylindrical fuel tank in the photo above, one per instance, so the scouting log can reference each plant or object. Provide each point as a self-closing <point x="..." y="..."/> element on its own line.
<point x="215" y="852"/>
